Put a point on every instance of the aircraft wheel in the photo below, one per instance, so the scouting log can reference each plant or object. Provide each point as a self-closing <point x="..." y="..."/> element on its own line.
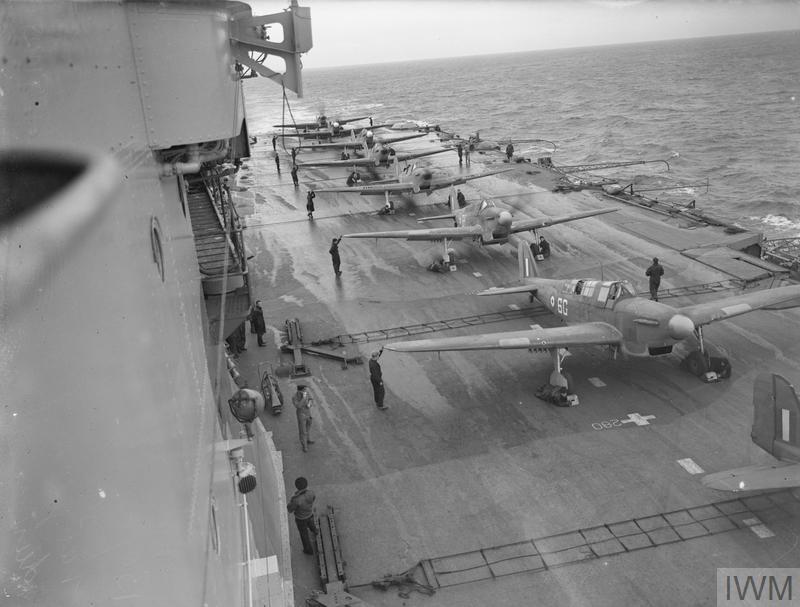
<point x="721" y="366"/>
<point x="696" y="363"/>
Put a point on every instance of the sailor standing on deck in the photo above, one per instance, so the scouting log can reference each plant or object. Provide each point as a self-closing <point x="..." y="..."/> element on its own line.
<point x="302" y="505"/>
<point x="655" y="272"/>
<point x="376" y="378"/>
<point x="294" y="176"/>
<point x="460" y="150"/>
<point x="302" y="402"/>
<point x="274" y="143"/>
<point x="509" y="151"/>
<point x="335" y="259"/>
<point x="257" y="324"/>
<point x="310" y="203"/>
<point x="278" y="163"/>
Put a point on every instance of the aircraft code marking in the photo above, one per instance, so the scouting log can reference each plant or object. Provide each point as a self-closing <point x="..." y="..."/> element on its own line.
<point x="597" y="382"/>
<point x="477" y="274"/>
<point x="513" y="306"/>
<point x="690" y="466"/>
<point x="639" y="420"/>
<point x="633" y="418"/>
<point x="758" y="528"/>
<point x="785" y="425"/>
<point x="736" y="309"/>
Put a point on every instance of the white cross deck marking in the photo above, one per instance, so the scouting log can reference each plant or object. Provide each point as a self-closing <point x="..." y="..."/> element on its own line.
<point x="598" y="383"/>
<point x="690" y="466"/>
<point x="477" y="274"/>
<point x="639" y="420"/>
<point x="513" y="306"/>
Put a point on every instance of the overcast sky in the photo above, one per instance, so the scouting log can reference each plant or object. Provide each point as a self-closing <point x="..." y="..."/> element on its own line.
<point x="348" y="32"/>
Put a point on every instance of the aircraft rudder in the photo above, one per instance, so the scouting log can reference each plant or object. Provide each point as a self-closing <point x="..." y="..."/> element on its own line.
<point x="776" y="416"/>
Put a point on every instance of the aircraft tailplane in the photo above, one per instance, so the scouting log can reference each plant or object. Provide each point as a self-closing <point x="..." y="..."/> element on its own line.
<point x="776" y="417"/>
<point x="527" y="263"/>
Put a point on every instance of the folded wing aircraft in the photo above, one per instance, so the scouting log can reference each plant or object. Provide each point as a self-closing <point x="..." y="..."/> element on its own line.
<point x="377" y="155"/>
<point x="482" y="222"/>
<point x="776" y="429"/>
<point x="412" y="180"/>
<point x="361" y="141"/>
<point x="607" y="312"/>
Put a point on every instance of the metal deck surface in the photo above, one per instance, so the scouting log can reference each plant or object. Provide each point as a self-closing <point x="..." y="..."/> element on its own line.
<point x="467" y="461"/>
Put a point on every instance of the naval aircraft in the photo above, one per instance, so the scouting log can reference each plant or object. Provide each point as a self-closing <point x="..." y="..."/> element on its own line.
<point x="776" y="429"/>
<point x="482" y="222"/>
<point x="412" y="179"/>
<point x="376" y="151"/>
<point x="606" y="313"/>
<point x="363" y="139"/>
<point x="323" y="127"/>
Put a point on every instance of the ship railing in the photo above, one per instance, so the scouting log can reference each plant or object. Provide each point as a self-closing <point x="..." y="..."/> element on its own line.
<point x="215" y="181"/>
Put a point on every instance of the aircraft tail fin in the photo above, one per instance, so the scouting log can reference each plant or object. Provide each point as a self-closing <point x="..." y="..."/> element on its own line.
<point x="527" y="263"/>
<point x="776" y="417"/>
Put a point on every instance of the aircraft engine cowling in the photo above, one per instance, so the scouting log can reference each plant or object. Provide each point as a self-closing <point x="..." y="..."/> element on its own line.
<point x="680" y="327"/>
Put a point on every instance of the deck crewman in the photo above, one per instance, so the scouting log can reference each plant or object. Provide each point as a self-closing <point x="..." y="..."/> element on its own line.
<point x="303" y="402"/>
<point x="655" y="272"/>
<point x="376" y="378"/>
<point x="301" y="505"/>
<point x="335" y="258"/>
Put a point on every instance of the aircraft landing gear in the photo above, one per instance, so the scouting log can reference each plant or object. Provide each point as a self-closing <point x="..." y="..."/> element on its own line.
<point x="557" y="391"/>
<point x="708" y="368"/>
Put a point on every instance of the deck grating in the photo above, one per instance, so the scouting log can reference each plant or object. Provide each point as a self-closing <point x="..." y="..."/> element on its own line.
<point x="591" y="543"/>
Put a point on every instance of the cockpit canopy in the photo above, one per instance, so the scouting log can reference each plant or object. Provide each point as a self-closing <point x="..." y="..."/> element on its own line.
<point x="600" y="290"/>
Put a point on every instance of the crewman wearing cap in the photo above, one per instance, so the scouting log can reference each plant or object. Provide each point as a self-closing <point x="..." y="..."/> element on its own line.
<point x="302" y="505"/>
<point x="376" y="378"/>
<point x="655" y="272"/>
<point x="302" y="402"/>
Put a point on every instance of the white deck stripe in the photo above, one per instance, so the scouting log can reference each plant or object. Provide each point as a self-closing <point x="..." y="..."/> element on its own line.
<point x="690" y="466"/>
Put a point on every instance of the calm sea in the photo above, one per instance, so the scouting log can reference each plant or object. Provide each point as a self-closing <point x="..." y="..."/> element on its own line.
<point x="726" y="109"/>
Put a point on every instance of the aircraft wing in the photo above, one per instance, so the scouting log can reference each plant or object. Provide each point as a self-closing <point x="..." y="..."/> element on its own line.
<point x="333" y="145"/>
<point x="750" y="478"/>
<point x="591" y="333"/>
<point x="446" y="183"/>
<point x="373" y="189"/>
<point x="543" y="222"/>
<point x="352" y="162"/>
<point x="433" y="234"/>
<point x="403" y="156"/>
<point x="768" y="299"/>
<point x="527" y="288"/>
<point x="389" y="140"/>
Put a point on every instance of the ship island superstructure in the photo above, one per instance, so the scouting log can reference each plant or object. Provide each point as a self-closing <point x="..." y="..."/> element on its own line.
<point x="122" y="273"/>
